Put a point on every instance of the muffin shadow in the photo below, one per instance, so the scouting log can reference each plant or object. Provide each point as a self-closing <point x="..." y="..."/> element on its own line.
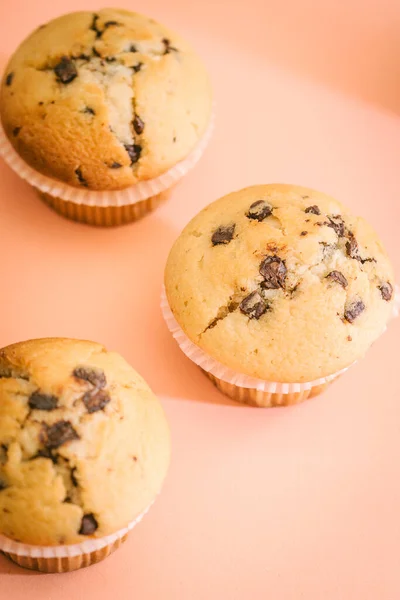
<point x="106" y="284"/>
<point x="7" y="567"/>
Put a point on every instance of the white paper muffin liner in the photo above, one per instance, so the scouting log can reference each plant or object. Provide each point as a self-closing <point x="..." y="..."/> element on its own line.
<point x="131" y="195"/>
<point x="212" y="366"/>
<point x="10" y="546"/>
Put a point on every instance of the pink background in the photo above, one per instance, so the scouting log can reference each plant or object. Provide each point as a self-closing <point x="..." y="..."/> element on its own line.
<point x="284" y="504"/>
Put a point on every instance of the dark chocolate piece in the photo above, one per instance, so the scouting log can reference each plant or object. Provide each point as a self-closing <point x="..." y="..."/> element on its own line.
<point x="314" y="209"/>
<point x="65" y="70"/>
<point x="353" y="310"/>
<point x="134" y="151"/>
<point x="94" y="376"/>
<point x="352" y="246"/>
<point x="223" y="234"/>
<point x="386" y="290"/>
<point x="337" y="224"/>
<point x="259" y="210"/>
<point x="54" y="436"/>
<point x="16" y="131"/>
<point x="88" y="525"/>
<point x="138" y="125"/>
<point x="253" y="305"/>
<point x="96" y="400"/>
<point x="273" y="269"/>
<point x="9" y="78"/>
<point x="39" y="401"/>
<point x="338" y="277"/>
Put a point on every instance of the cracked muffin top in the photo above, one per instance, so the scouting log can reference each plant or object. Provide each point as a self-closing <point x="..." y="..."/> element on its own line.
<point x="84" y="443"/>
<point x="104" y="100"/>
<point x="280" y="283"/>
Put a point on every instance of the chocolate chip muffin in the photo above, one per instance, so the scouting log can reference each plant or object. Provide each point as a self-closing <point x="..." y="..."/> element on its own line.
<point x="280" y="283"/>
<point x="84" y="445"/>
<point x="104" y="101"/>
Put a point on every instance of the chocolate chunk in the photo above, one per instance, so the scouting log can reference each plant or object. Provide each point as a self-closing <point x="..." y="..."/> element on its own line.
<point x="353" y="310"/>
<point x="54" y="436"/>
<point x="314" y="209"/>
<point x="40" y="103"/>
<point x="65" y="70"/>
<point x="40" y="401"/>
<point x="89" y="110"/>
<point x="88" y="525"/>
<point x="96" y="400"/>
<point x="259" y="210"/>
<point x="134" y="152"/>
<point x="82" y="57"/>
<point x="386" y="290"/>
<point x="74" y="480"/>
<point x="223" y="234"/>
<point x="132" y="48"/>
<point x="138" y="125"/>
<point x="16" y="131"/>
<point x="115" y="165"/>
<point x="338" y="277"/>
<point x="167" y="46"/>
<point x="273" y="269"/>
<point x="303" y="233"/>
<point x="94" y="376"/>
<point x="352" y="246"/>
<point x="253" y="305"/>
<point x="81" y="178"/>
<point x="137" y="67"/>
<point x="3" y="485"/>
<point x="337" y="224"/>
<point x="9" y="78"/>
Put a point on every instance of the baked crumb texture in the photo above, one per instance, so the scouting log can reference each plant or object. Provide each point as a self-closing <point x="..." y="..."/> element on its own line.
<point x="84" y="444"/>
<point x="104" y="100"/>
<point x="281" y="283"/>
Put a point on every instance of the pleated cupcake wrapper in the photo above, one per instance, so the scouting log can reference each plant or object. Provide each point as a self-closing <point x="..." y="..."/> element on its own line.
<point x="66" y="551"/>
<point x="220" y="371"/>
<point x="136" y="193"/>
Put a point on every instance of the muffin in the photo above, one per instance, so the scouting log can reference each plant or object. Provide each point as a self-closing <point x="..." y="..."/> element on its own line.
<point x="84" y="450"/>
<point x="275" y="290"/>
<point x="103" y="113"/>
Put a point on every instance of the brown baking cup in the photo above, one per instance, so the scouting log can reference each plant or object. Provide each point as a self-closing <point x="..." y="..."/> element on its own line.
<point x="105" y="216"/>
<point x="254" y="397"/>
<point x="62" y="559"/>
<point x="238" y="386"/>
<point x="103" y="208"/>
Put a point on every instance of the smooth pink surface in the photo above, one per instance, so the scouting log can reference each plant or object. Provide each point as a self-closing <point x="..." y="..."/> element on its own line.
<point x="283" y="504"/>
